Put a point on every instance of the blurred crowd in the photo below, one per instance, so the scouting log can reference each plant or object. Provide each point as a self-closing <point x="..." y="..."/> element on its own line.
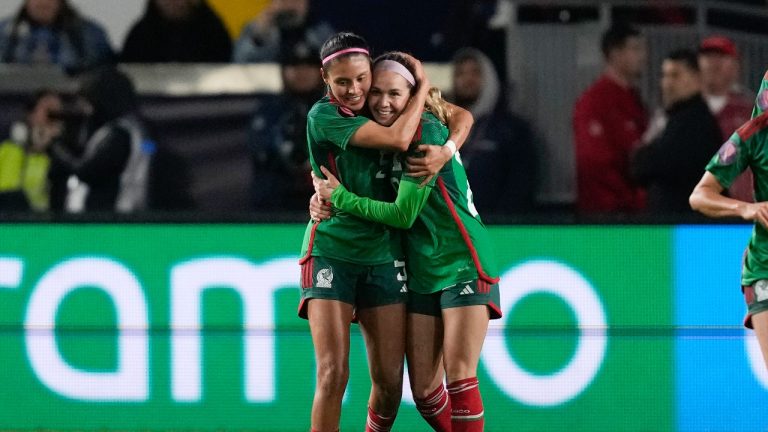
<point x="92" y="150"/>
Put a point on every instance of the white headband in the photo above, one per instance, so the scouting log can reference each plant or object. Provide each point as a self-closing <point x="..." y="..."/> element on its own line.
<point x="398" y="68"/>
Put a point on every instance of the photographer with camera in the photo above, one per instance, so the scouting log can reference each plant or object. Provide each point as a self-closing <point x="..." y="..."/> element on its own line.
<point x="109" y="172"/>
<point x="282" y="25"/>
<point x="24" y="164"/>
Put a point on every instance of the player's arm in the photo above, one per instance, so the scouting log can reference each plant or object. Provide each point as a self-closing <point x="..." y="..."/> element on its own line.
<point x="708" y="198"/>
<point x="435" y="157"/>
<point x="401" y="213"/>
<point x="396" y="137"/>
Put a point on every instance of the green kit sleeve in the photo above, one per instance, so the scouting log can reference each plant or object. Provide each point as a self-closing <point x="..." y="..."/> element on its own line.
<point x="400" y="214"/>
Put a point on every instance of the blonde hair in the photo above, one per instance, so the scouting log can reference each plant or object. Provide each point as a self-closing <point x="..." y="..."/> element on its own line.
<point x="437" y="105"/>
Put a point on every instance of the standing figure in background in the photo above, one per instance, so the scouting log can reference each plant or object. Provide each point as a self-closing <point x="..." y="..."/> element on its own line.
<point x="24" y="163"/>
<point x="608" y="123"/>
<point x="111" y="172"/>
<point x="53" y="32"/>
<point x="727" y="99"/>
<point x="278" y="134"/>
<point x="499" y="139"/>
<point x="670" y="165"/>
<point x="183" y="31"/>
<point x="282" y="25"/>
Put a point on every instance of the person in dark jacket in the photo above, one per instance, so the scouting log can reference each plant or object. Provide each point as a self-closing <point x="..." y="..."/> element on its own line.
<point x="670" y="165"/>
<point x="278" y="134"/>
<point x="183" y="31"/>
<point x="110" y="173"/>
<point x="500" y="154"/>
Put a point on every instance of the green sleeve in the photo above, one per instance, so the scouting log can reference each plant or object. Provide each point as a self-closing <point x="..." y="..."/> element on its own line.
<point x="400" y="214"/>
<point x="325" y="123"/>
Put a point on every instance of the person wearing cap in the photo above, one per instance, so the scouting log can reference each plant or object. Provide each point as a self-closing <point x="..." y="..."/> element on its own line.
<point x="277" y="134"/>
<point x="727" y="99"/>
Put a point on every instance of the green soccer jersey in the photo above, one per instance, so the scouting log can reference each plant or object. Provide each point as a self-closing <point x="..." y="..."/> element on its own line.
<point x="748" y="148"/>
<point x="447" y="242"/>
<point x="346" y="237"/>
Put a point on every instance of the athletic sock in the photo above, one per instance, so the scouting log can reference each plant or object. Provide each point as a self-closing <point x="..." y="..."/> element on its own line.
<point x="377" y="422"/>
<point x="436" y="409"/>
<point x="466" y="405"/>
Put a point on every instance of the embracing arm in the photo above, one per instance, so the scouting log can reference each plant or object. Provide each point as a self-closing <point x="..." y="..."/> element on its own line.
<point x="397" y="137"/>
<point x="708" y="199"/>
<point x="400" y="214"/>
<point x="459" y="124"/>
<point x="434" y="157"/>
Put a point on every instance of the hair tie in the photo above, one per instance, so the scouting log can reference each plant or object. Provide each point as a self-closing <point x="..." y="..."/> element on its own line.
<point x="345" y="51"/>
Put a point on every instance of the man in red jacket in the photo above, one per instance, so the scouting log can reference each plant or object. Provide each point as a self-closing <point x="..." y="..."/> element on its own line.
<point x="608" y="122"/>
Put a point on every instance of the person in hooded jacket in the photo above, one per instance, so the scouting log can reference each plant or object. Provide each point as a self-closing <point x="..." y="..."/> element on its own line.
<point x="500" y="155"/>
<point x="110" y="173"/>
<point x="53" y="32"/>
<point x="182" y="31"/>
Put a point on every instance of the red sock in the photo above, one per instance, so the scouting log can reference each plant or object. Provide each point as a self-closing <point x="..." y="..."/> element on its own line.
<point x="466" y="405"/>
<point x="436" y="409"/>
<point x="378" y="423"/>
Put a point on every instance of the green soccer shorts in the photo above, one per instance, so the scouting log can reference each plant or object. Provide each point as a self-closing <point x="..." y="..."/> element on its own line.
<point x="363" y="286"/>
<point x="470" y="293"/>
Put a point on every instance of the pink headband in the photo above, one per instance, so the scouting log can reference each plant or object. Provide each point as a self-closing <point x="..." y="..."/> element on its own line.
<point x="345" y="51"/>
<point x="398" y="68"/>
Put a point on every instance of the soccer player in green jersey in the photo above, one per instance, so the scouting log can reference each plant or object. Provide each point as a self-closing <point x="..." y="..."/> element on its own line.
<point x="746" y="148"/>
<point x="351" y="266"/>
<point x="453" y="289"/>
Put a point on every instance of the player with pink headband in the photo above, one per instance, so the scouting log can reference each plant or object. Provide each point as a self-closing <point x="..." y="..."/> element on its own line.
<point x="453" y="284"/>
<point x="350" y="267"/>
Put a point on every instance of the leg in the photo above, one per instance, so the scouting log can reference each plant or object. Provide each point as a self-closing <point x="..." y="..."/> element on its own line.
<point x="425" y="367"/>
<point x="465" y="329"/>
<point x="383" y="329"/>
<point x="760" y="324"/>
<point x="424" y="349"/>
<point x="329" y="323"/>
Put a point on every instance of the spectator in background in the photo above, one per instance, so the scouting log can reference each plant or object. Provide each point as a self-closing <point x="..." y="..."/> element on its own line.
<point x="111" y="172"/>
<point x="727" y="99"/>
<point x="278" y="135"/>
<point x="183" y="31"/>
<point x="670" y="165"/>
<point x="24" y="163"/>
<point x="52" y="32"/>
<point x="608" y="122"/>
<point x="282" y="25"/>
<point x="499" y="139"/>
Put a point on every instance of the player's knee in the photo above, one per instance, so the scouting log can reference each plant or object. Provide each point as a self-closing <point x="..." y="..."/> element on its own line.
<point x="332" y="377"/>
<point x="457" y="370"/>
